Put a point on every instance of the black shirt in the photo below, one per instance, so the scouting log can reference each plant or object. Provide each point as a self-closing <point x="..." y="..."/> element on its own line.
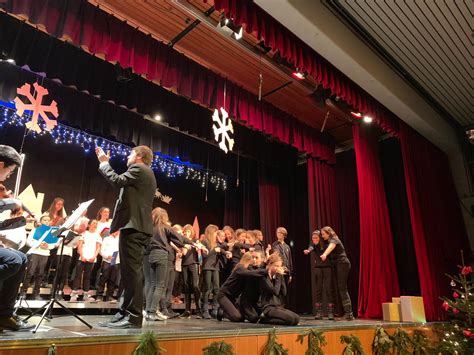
<point x="234" y="284"/>
<point x="272" y="289"/>
<point x="285" y="252"/>
<point x="212" y="261"/>
<point x="251" y="291"/>
<point x="318" y="252"/>
<point x="191" y="257"/>
<point x="339" y="253"/>
<point x="162" y="236"/>
<point x="237" y="251"/>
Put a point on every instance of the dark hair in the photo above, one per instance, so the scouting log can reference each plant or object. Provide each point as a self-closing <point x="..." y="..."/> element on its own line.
<point x="51" y="211"/>
<point x="9" y="156"/>
<point x="145" y="153"/>
<point x="99" y="213"/>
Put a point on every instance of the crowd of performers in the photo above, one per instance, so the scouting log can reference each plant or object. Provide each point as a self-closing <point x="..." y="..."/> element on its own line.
<point x="225" y="273"/>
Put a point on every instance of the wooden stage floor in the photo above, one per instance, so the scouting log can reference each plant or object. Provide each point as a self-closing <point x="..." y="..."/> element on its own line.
<point x="176" y="335"/>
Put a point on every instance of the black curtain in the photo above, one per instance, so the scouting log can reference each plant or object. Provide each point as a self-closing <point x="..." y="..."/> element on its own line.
<point x="395" y="190"/>
<point x="348" y="195"/>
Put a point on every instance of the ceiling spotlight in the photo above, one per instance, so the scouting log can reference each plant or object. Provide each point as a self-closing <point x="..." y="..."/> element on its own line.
<point x="298" y="75"/>
<point x="157" y="118"/>
<point x="356" y="114"/>
<point x="367" y="119"/>
<point x="11" y="61"/>
<point x="238" y="35"/>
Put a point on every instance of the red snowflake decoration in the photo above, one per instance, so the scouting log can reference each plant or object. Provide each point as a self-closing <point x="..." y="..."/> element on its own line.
<point x="35" y="105"/>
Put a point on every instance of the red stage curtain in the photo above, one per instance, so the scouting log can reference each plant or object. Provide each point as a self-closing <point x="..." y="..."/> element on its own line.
<point x="378" y="281"/>
<point x="438" y="227"/>
<point x="322" y="195"/>
<point x="270" y="203"/>
<point x="100" y="33"/>
<point x="256" y="21"/>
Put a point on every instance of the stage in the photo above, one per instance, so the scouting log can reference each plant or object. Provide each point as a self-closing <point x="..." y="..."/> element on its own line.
<point x="186" y="336"/>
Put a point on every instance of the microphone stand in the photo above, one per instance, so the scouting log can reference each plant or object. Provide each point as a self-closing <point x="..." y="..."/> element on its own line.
<point x="47" y="308"/>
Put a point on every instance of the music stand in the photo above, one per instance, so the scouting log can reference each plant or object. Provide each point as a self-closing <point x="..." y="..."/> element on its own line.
<point x="67" y="236"/>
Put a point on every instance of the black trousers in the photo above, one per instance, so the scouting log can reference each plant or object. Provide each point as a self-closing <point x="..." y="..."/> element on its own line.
<point x="211" y="284"/>
<point x="231" y="312"/>
<point x="342" y="273"/>
<point x="158" y="261"/>
<point x="95" y="273"/>
<point x="83" y="273"/>
<point x="36" y="270"/>
<point x="64" y="269"/>
<point x="131" y="247"/>
<point x="108" y="276"/>
<point x="12" y="269"/>
<point x="191" y="285"/>
<point x="169" y="283"/>
<point x="323" y="284"/>
<point x="250" y="311"/>
<point x="279" y="315"/>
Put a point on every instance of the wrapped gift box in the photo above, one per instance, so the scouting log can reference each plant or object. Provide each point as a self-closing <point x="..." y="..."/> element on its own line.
<point x="413" y="309"/>
<point x="391" y="312"/>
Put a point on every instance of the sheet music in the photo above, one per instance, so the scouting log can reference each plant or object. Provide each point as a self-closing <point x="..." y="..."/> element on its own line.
<point x="72" y="219"/>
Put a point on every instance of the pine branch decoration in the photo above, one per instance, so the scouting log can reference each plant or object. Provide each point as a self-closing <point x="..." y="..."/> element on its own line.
<point x="420" y="343"/>
<point x="316" y="340"/>
<point x="353" y="345"/>
<point x="401" y="342"/>
<point x="272" y="347"/>
<point x="219" y="348"/>
<point x="52" y="349"/>
<point x="148" y="345"/>
<point x="382" y="342"/>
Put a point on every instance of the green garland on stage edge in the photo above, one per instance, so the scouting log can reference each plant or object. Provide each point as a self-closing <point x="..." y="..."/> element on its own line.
<point x="316" y="340"/>
<point x="52" y="349"/>
<point x="420" y="343"/>
<point x="401" y="342"/>
<point x="148" y="345"/>
<point x="272" y="347"/>
<point x="382" y="341"/>
<point x="218" y="348"/>
<point x="353" y="345"/>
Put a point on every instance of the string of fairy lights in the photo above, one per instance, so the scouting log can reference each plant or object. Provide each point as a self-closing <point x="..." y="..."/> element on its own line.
<point x="167" y="166"/>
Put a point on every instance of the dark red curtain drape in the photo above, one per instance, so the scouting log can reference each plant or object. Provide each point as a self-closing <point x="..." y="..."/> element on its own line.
<point x="438" y="228"/>
<point x="270" y="202"/>
<point x="100" y="33"/>
<point x="378" y="280"/>
<point x="322" y="195"/>
<point x="256" y="21"/>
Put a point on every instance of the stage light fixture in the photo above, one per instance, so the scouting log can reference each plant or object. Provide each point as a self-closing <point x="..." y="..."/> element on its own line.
<point x="11" y="61"/>
<point x="157" y="118"/>
<point x="367" y="119"/>
<point x="298" y="75"/>
<point x="229" y="26"/>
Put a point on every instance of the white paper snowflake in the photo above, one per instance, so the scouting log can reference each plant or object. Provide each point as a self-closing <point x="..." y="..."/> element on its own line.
<point x="222" y="128"/>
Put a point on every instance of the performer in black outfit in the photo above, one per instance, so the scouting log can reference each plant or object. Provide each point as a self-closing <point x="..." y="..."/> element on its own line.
<point x="12" y="262"/>
<point x="323" y="275"/>
<point x="273" y="288"/>
<point x="233" y="286"/>
<point x="190" y="266"/>
<point x="284" y="251"/>
<point x="342" y="266"/>
<point x="132" y="216"/>
<point x="211" y="267"/>
<point x="249" y="301"/>
<point x="159" y="248"/>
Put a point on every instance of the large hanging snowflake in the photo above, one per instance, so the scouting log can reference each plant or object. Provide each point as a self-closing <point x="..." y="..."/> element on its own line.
<point x="36" y="107"/>
<point x="222" y="128"/>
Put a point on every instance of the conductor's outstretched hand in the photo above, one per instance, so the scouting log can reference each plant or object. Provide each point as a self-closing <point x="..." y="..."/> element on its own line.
<point x="101" y="156"/>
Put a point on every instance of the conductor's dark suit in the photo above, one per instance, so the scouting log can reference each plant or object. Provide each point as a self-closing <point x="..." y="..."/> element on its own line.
<point x="132" y="216"/>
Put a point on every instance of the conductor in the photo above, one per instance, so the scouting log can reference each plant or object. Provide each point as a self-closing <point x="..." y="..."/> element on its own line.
<point x="132" y="216"/>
